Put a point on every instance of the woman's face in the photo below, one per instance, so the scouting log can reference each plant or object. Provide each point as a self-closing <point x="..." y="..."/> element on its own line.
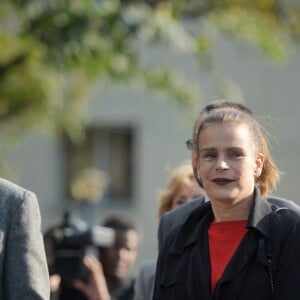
<point x="228" y="162"/>
<point x="187" y="192"/>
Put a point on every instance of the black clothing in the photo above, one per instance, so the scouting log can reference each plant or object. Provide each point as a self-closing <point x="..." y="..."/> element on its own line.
<point x="124" y="292"/>
<point x="183" y="268"/>
<point x="179" y="215"/>
<point x="66" y="292"/>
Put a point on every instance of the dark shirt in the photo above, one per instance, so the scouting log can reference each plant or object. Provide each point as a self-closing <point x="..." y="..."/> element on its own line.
<point x="123" y="292"/>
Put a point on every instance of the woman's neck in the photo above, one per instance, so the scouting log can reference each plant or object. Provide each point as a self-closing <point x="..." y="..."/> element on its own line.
<point x="231" y="212"/>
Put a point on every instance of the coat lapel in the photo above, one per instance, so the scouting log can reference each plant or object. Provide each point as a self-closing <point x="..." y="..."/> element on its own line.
<point x="254" y="242"/>
<point x="192" y="242"/>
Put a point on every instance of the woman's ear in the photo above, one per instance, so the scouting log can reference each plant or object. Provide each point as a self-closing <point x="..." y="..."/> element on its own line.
<point x="195" y="163"/>
<point x="259" y="164"/>
<point x="196" y="169"/>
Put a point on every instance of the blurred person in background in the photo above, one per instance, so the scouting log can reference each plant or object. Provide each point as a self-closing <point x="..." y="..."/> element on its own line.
<point x="181" y="188"/>
<point x="109" y="276"/>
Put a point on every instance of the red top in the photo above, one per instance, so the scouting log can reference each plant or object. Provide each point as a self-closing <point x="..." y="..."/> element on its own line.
<point x="223" y="238"/>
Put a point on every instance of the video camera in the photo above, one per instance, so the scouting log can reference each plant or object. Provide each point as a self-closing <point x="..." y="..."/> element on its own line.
<point x="69" y="242"/>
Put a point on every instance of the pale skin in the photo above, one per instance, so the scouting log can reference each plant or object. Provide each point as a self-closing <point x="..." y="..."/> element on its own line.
<point x="186" y="193"/>
<point x="228" y="164"/>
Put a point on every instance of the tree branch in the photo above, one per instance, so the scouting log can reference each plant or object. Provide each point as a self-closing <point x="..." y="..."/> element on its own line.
<point x="19" y="59"/>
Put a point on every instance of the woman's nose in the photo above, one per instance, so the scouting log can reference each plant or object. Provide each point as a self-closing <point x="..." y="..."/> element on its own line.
<point x="221" y="163"/>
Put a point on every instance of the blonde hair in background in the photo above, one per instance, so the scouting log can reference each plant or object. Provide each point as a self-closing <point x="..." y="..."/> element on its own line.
<point x="182" y="175"/>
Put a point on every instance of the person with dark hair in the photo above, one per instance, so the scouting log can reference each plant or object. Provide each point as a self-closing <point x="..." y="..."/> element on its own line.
<point x="118" y="261"/>
<point x="109" y="277"/>
<point x="23" y="267"/>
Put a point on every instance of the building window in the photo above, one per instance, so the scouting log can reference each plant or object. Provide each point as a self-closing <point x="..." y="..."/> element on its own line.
<point x="109" y="149"/>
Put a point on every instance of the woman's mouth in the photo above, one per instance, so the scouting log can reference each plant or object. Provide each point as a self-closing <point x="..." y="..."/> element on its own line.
<point x="222" y="181"/>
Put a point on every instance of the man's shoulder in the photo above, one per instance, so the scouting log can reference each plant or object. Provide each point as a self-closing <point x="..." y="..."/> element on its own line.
<point x="176" y="218"/>
<point x="284" y="203"/>
<point x="148" y="265"/>
<point x="10" y="187"/>
<point x="11" y="193"/>
<point x="180" y="214"/>
<point x="147" y="270"/>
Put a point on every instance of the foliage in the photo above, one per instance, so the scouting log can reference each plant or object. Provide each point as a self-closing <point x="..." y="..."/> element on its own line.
<point x="52" y="49"/>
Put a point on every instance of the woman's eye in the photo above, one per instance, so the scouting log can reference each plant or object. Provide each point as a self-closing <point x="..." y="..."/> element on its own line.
<point x="180" y="201"/>
<point x="209" y="155"/>
<point x="235" y="155"/>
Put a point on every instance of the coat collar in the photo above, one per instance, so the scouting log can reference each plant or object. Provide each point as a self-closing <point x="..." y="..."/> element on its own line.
<point x="259" y="215"/>
<point x="199" y="220"/>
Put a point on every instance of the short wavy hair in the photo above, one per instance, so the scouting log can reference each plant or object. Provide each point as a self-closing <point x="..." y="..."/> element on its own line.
<point x="182" y="175"/>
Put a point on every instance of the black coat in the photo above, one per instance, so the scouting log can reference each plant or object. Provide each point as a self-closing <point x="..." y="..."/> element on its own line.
<point x="178" y="216"/>
<point x="183" y="269"/>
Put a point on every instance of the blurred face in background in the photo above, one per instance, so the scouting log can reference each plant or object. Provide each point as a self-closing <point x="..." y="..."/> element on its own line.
<point x="118" y="260"/>
<point x="186" y="193"/>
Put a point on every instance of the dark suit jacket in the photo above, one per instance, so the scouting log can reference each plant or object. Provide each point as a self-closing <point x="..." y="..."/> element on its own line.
<point x="23" y="268"/>
<point x="178" y="216"/>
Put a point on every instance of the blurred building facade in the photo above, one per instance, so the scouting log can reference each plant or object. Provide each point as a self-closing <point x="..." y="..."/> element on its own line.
<point x="137" y="137"/>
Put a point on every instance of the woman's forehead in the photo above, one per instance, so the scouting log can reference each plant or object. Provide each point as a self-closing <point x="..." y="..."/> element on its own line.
<point x="226" y="127"/>
<point x="228" y="133"/>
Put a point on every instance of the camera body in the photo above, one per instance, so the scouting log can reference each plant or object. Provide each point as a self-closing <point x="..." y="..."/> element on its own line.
<point x="70" y="241"/>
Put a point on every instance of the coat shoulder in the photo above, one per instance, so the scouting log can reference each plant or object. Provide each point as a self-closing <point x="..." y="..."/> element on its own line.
<point x="12" y="195"/>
